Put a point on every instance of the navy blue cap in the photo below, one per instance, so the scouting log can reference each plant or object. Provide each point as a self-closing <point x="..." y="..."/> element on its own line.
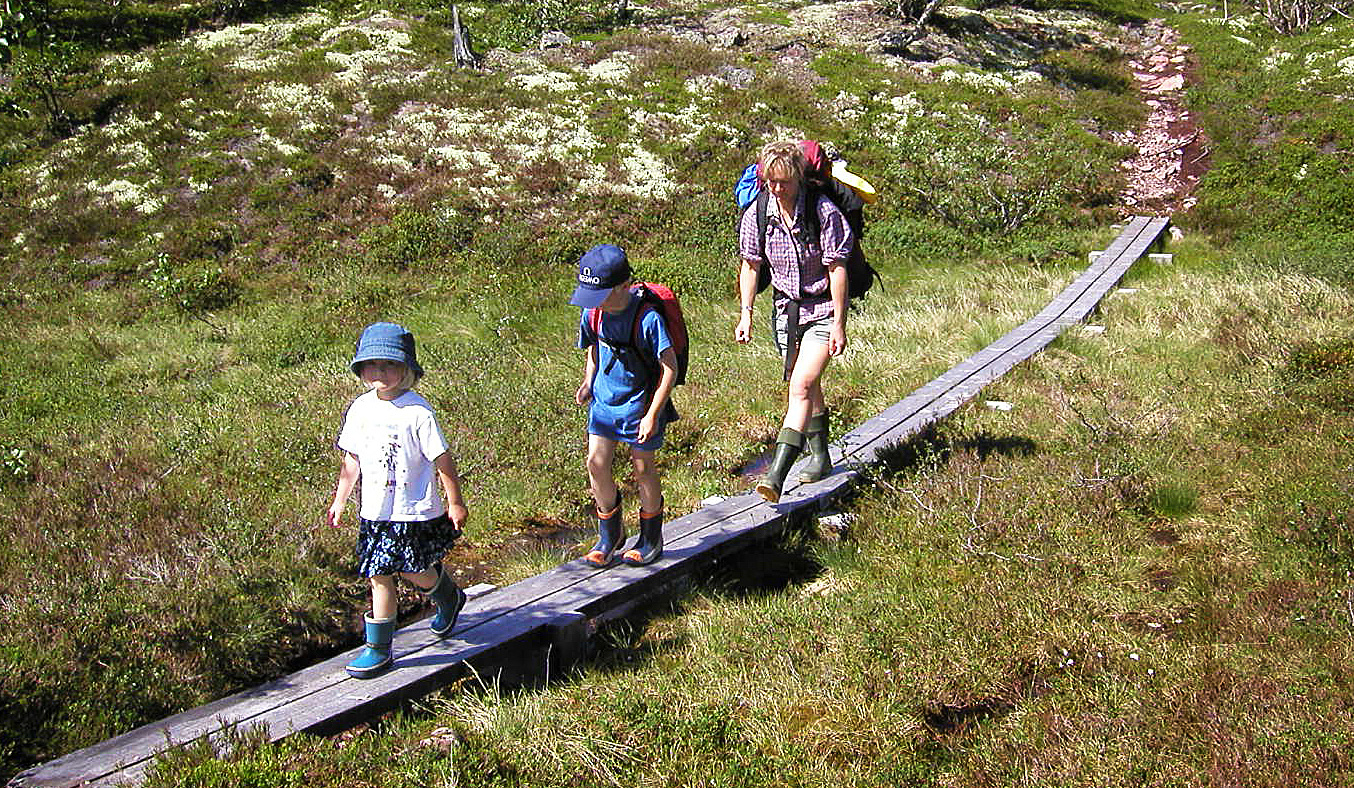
<point x="599" y="269"/>
<point x="389" y="342"/>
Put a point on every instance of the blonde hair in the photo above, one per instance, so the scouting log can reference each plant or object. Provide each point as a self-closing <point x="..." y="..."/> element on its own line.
<point x="407" y="381"/>
<point x="781" y="159"/>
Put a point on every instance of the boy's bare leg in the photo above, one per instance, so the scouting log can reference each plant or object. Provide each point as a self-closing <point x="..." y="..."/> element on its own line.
<point x="601" y="453"/>
<point x="647" y="480"/>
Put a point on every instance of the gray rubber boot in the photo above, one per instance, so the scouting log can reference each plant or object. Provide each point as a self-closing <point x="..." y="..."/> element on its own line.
<point x="816" y="440"/>
<point x="788" y="445"/>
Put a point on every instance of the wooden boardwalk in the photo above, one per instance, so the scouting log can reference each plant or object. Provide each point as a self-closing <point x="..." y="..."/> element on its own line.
<point x="540" y="625"/>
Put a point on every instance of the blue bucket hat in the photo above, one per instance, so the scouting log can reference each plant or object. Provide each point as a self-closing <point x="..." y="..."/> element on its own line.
<point x="387" y="341"/>
<point x="601" y="268"/>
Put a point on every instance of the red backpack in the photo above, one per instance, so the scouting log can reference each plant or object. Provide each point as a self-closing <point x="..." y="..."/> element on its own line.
<point x="661" y="299"/>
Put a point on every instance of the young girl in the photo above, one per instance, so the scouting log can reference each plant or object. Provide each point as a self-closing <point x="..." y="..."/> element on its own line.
<point x="391" y="442"/>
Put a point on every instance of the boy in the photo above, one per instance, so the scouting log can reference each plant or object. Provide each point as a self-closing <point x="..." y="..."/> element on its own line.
<point x="628" y="390"/>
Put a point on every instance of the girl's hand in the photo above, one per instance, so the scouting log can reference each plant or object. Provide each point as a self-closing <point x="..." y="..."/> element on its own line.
<point x="836" y="340"/>
<point x="458" y="514"/>
<point x="743" y="333"/>
<point x="584" y="394"/>
<point x="331" y="517"/>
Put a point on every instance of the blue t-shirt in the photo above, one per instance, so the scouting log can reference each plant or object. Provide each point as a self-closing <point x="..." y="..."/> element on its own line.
<point x="624" y="383"/>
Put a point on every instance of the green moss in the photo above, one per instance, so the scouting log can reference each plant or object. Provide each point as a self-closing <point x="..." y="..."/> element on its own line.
<point x="853" y="72"/>
<point x="1096" y="69"/>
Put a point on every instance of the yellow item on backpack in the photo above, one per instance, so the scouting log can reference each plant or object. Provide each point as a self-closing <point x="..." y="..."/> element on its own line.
<point x="859" y="185"/>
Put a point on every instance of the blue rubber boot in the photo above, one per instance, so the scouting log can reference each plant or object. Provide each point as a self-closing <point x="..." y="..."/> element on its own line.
<point x="610" y="537"/>
<point x="375" y="658"/>
<point x="449" y="600"/>
<point x="649" y="546"/>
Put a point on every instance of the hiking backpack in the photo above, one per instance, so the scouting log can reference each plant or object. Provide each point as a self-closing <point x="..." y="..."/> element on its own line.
<point x="819" y="178"/>
<point x="662" y="300"/>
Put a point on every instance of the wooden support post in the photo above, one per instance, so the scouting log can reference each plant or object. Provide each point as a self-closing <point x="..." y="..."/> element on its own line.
<point x="568" y="643"/>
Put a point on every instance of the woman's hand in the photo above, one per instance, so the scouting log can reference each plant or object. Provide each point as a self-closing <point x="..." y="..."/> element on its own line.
<point x="584" y="394"/>
<point x="743" y="332"/>
<point x="836" y="339"/>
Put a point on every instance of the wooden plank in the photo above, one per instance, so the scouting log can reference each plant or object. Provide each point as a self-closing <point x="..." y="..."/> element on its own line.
<point x="322" y="697"/>
<point x="415" y="647"/>
<point x="523" y="618"/>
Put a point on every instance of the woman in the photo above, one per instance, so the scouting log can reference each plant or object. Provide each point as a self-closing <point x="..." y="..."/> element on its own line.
<point x="809" y="306"/>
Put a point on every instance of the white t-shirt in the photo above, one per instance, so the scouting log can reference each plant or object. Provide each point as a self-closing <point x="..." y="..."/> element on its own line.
<point x="395" y="443"/>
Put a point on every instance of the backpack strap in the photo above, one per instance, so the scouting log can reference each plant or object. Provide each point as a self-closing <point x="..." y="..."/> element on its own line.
<point x="634" y="344"/>
<point x="654" y="369"/>
<point x="813" y="223"/>
<point x="762" y="206"/>
<point x="762" y="200"/>
<point x="595" y="322"/>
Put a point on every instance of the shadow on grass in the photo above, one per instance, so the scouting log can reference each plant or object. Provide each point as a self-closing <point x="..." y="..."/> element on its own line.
<point x="930" y="449"/>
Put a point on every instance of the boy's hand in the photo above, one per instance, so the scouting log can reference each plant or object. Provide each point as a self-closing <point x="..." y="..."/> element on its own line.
<point x="458" y="514"/>
<point x="584" y="394"/>
<point x="646" y="428"/>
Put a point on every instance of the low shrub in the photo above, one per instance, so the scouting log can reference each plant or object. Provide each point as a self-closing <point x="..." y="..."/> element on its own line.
<point x="989" y="179"/>
<point x="417" y="236"/>
<point x="193" y="288"/>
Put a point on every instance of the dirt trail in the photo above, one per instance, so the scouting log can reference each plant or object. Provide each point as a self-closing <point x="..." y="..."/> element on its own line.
<point x="1172" y="151"/>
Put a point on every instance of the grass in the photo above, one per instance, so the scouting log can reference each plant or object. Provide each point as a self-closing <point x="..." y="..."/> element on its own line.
<point x="1104" y="586"/>
<point x="183" y="280"/>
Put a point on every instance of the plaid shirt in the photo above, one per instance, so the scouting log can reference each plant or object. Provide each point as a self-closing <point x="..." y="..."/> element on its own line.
<point x="799" y="268"/>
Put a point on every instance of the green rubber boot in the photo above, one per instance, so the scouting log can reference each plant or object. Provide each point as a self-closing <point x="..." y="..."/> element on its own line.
<point x="375" y="658"/>
<point x="816" y="437"/>
<point x="788" y="445"/>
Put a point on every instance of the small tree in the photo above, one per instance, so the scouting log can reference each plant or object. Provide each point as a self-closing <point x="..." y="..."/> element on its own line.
<point x="39" y="66"/>
<point x="913" y="12"/>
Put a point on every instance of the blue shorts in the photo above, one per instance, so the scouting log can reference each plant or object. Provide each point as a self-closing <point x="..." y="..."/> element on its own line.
<point x="621" y="427"/>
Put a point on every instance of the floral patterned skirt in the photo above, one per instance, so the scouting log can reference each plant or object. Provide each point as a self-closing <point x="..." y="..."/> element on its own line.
<point x="385" y="547"/>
